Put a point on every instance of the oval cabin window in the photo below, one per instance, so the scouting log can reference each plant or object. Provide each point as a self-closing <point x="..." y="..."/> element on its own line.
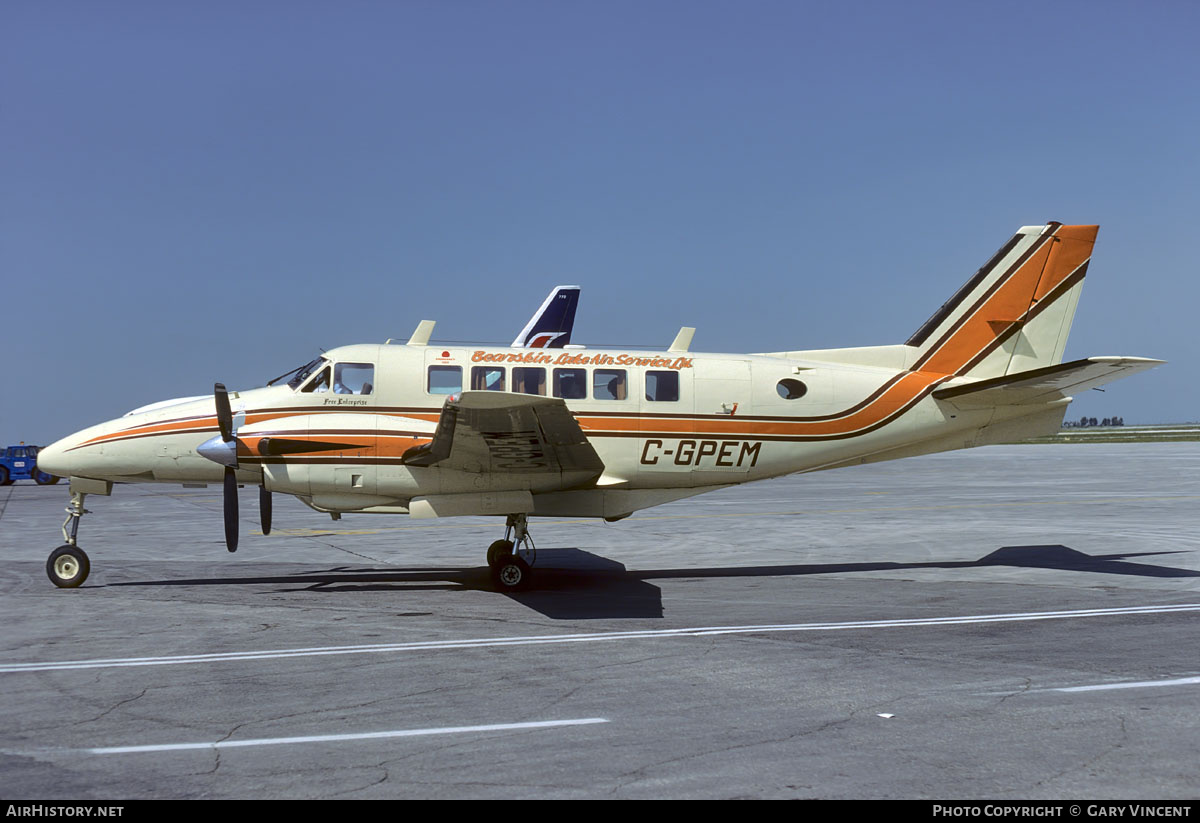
<point x="790" y="389"/>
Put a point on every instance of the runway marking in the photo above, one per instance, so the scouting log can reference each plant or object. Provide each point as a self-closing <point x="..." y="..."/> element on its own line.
<point x="339" y="738"/>
<point x="490" y="524"/>
<point x="1141" y="684"/>
<point x="552" y="639"/>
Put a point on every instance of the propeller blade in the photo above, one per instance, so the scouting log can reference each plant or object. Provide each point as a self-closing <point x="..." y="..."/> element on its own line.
<point x="231" y="510"/>
<point x="264" y="509"/>
<point x="224" y="413"/>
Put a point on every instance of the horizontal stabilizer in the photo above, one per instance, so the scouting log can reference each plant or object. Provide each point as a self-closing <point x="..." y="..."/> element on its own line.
<point x="1045" y="385"/>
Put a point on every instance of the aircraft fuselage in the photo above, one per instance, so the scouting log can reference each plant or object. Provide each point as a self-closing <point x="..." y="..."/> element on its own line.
<point x="657" y="421"/>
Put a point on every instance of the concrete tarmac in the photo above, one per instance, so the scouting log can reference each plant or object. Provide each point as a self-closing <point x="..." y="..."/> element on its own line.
<point x="1011" y="622"/>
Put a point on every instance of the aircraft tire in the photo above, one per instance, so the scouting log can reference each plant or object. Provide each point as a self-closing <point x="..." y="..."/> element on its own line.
<point x="511" y="574"/>
<point x="497" y="550"/>
<point x="68" y="566"/>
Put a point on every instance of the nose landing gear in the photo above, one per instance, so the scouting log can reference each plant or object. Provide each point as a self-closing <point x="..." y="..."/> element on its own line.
<point x="68" y="565"/>
<point x="512" y="558"/>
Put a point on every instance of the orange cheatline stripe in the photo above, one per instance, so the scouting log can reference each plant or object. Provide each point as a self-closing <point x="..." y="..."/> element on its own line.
<point x="896" y="397"/>
<point x="202" y="424"/>
<point x="208" y="423"/>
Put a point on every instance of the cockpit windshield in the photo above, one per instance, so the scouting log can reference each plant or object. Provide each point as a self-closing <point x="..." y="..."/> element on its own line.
<point x="348" y="378"/>
<point x="301" y="374"/>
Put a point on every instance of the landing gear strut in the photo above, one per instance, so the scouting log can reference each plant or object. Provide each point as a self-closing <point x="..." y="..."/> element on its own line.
<point x="511" y="558"/>
<point x="68" y="565"/>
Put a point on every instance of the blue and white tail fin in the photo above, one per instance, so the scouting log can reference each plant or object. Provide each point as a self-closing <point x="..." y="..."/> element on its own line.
<point x="550" y="327"/>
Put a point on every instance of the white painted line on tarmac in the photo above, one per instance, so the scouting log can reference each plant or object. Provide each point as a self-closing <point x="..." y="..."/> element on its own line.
<point x="340" y="738"/>
<point x="1140" y="684"/>
<point x="651" y="634"/>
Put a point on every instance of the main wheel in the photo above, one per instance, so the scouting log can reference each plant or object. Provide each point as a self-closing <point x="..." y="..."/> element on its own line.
<point x="68" y="566"/>
<point x="511" y="574"/>
<point x="498" y="550"/>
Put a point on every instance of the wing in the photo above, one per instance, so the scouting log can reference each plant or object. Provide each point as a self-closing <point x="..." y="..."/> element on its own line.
<point x="1046" y="384"/>
<point x="503" y="433"/>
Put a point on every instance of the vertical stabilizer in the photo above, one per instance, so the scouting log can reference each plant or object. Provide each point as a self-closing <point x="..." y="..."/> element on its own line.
<point x="1015" y="313"/>
<point x="551" y="325"/>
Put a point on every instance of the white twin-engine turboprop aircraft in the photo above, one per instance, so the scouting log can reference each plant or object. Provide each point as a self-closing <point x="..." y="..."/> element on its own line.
<point x="436" y="431"/>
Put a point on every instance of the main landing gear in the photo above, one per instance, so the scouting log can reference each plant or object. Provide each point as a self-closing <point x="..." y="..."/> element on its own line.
<point x="68" y="565"/>
<point x="511" y="559"/>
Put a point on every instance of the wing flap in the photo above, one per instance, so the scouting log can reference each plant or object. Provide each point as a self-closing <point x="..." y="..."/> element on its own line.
<point x="1044" y="385"/>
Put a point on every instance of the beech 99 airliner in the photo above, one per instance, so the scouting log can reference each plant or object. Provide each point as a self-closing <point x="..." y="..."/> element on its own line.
<point x="440" y="431"/>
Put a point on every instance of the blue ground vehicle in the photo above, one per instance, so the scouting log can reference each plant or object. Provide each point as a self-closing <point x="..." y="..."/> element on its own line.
<point x="20" y="463"/>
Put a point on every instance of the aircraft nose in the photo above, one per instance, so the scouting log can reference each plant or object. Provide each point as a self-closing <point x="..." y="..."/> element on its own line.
<point x="53" y="459"/>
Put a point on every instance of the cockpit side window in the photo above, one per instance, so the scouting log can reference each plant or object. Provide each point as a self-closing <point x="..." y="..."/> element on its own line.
<point x="320" y="383"/>
<point x="353" y="378"/>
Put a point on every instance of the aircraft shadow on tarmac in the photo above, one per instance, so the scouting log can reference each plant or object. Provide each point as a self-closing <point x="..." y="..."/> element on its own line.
<point x="572" y="584"/>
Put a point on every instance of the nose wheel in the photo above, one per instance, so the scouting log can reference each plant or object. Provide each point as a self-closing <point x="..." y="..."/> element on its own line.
<point x="68" y="565"/>
<point x="512" y="558"/>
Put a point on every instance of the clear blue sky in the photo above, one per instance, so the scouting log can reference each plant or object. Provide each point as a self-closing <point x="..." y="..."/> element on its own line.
<point x="193" y="192"/>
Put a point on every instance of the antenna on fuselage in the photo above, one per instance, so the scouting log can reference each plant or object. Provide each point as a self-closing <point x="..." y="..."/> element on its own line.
<point x="683" y="340"/>
<point x="422" y="333"/>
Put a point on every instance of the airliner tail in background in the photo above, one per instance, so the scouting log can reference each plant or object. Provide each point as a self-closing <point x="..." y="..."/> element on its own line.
<point x="550" y="327"/>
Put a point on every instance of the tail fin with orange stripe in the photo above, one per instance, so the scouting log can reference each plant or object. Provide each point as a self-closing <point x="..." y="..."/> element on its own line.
<point x="1014" y="314"/>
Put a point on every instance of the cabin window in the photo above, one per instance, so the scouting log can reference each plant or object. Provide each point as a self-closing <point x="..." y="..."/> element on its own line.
<point x="662" y="386"/>
<point x="353" y="378"/>
<point x="487" y="378"/>
<point x="444" y="379"/>
<point x="320" y="383"/>
<point x="570" y="384"/>
<point x="790" y="389"/>
<point x="529" y="381"/>
<point x="608" y="384"/>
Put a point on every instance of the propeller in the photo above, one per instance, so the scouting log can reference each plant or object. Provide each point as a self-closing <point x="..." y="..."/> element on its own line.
<point x="264" y="509"/>
<point x="223" y="449"/>
<point x="229" y="438"/>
